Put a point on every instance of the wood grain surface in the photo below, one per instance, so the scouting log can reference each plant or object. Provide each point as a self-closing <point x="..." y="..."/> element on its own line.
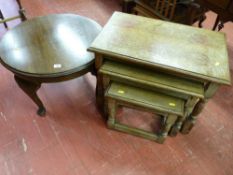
<point x="178" y="48"/>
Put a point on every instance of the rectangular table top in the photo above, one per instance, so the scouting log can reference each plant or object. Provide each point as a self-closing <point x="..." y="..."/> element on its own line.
<point x="152" y="78"/>
<point x="145" y="98"/>
<point x="174" y="47"/>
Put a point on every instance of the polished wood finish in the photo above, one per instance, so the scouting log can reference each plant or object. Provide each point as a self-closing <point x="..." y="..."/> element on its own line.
<point x="155" y="46"/>
<point x="49" y="49"/>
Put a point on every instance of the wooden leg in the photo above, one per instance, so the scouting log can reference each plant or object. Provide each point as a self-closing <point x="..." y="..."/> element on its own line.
<point x="99" y="85"/>
<point x="22" y="15"/>
<point x="166" y="128"/>
<point x="19" y="3"/>
<point x="106" y="82"/>
<point x="99" y="91"/>
<point x="191" y="120"/>
<point x="102" y="84"/>
<point x="220" y="25"/>
<point x="30" y="88"/>
<point x="21" y="11"/>
<point x="189" y="107"/>
<point x="210" y="90"/>
<point x="202" y="19"/>
<point x="128" y="6"/>
<point x="100" y="101"/>
<point x="93" y="71"/>
<point x="175" y="129"/>
<point x="2" y="17"/>
<point x="112" y="108"/>
<point x="216" y="23"/>
<point x="189" y="124"/>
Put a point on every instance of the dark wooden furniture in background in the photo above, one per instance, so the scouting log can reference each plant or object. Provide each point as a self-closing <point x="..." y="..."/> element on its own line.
<point x="21" y="15"/>
<point x="194" y="58"/>
<point x="223" y="8"/>
<point x="48" y="49"/>
<point x="180" y="11"/>
<point x="185" y="11"/>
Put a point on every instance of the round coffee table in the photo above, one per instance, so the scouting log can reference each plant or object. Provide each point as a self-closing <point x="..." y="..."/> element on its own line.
<point x="47" y="49"/>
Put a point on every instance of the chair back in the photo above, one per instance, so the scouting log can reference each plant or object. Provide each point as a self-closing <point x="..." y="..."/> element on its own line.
<point x="165" y="8"/>
<point x="180" y="11"/>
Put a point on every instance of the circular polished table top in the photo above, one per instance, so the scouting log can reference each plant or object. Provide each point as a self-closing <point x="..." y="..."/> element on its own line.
<point x="50" y="48"/>
<point x="53" y="45"/>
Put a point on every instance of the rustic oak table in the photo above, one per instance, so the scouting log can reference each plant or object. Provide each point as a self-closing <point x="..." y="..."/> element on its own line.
<point x="175" y="53"/>
<point x="48" y="49"/>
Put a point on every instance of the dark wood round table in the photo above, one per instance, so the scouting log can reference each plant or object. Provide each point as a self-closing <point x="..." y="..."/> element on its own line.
<point x="47" y="49"/>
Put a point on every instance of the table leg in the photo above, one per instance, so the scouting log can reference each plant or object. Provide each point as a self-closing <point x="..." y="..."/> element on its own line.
<point x="99" y="91"/>
<point x="176" y="127"/>
<point x="202" y="19"/>
<point x="210" y="90"/>
<point x="189" y="107"/>
<point x="21" y="11"/>
<point x="99" y="84"/>
<point x="30" y="88"/>
<point x="22" y="15"/>
<point x="112" y="108"/>
<point x="216" y="23"/>
<point x="220" y="25"/>
<point x="191" y="120"/>
<point x="127" y="6"/>
<point x="170" y="121"/>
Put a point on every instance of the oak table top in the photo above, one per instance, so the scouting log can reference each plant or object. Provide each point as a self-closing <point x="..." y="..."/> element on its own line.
<point x="177" y="48"/>
<point x="50" y="48"/>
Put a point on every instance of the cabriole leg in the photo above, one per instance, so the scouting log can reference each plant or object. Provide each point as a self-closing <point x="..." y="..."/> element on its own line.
<point x="30" y="88"/>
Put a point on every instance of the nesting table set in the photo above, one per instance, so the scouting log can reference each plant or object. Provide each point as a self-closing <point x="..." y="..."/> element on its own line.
<point x="165" y="68"/>
<point x="151" y="65"/>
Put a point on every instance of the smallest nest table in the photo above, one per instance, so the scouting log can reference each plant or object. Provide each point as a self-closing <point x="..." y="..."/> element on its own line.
<point x="48" y="49"/>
